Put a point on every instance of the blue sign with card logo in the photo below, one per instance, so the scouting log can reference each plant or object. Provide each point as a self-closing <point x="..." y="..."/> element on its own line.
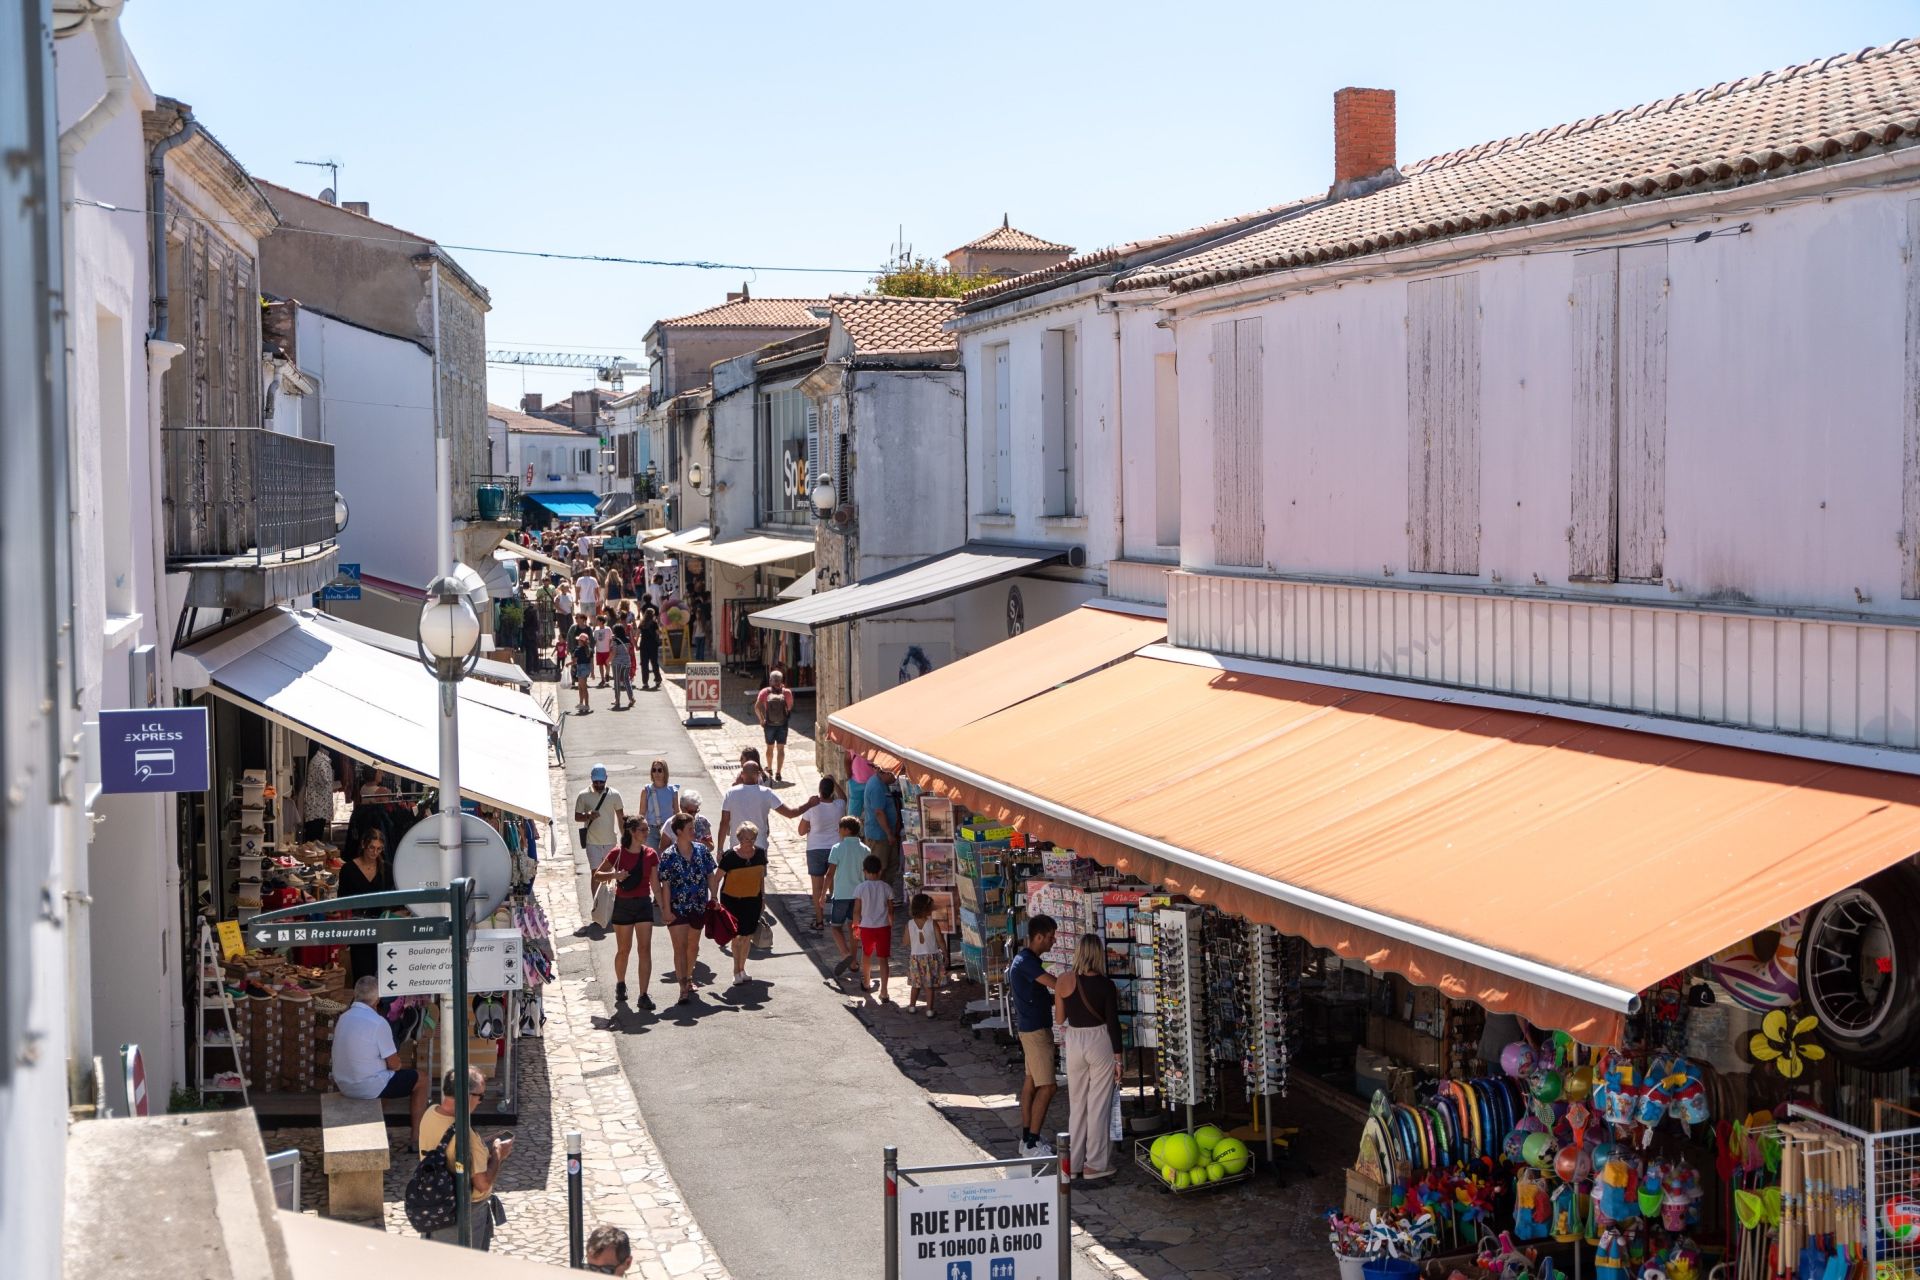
<point x="153" y="750"/>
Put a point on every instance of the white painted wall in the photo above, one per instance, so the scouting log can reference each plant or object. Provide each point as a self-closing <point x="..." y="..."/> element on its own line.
<point x="1784" y="409"/>
<point x="1141" y="445"/>
<point x="909" y="465"/>
<point x="561" y="463"/>
<point x="378" y="396"/>
<point x="730" y="472"/>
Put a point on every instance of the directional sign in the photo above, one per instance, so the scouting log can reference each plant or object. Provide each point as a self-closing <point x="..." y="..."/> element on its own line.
<point x="154" y="750"/>
<point x="426" y="968"/>
<point x="334" y="933"/>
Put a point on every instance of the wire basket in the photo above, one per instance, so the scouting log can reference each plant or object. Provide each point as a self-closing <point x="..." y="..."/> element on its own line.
<point x="1142" y="1156"/>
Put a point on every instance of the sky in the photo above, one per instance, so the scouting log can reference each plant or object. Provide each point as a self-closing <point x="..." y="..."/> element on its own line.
<point x="776" y="135"/>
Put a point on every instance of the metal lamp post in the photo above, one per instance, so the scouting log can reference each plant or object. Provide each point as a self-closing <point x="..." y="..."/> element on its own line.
<point x="449" y="648"/>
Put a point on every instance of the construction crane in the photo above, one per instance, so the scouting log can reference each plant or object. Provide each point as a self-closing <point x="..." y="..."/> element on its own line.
<point x="608" y="369"/>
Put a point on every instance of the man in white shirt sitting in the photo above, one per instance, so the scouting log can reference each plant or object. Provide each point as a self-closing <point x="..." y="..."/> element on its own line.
<point x="365" y="1062"/>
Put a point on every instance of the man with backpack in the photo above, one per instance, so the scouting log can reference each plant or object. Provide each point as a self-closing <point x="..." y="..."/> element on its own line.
<point x="436" y="1144"/>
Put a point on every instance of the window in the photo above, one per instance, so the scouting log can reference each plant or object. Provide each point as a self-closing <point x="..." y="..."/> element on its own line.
<point x="786" y="425"/>
<point x="1619" y="415"/>
<point x="1166" y="452"/>
<point x="1239" y="529"/>
<point x="214" y="312"/>
<point x="997" y="415"/>
<point x="1443" y="425"/>
<point x="1060" y="414"/>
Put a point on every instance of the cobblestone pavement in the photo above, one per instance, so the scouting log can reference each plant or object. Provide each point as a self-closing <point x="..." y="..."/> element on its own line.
<point x="1268" y="1226"/>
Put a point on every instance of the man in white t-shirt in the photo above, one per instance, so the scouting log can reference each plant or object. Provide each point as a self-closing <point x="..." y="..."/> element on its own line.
<point x="603" y="814"/>
<point x="365" y="1062"/>
<point x="751" y="801"/>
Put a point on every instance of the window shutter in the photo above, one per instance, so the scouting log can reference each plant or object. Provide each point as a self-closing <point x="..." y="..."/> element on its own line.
<point x="1596" y="439"/>
<point x="813" y="455"/>
<point x="1443" y="425"/>
<point x="1240" y="528"/>
<point x="842" y="482"/>
<point x="1642" y="398"/>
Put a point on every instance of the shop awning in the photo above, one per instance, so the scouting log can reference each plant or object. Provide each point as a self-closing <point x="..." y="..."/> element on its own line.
<point x="377" y="706"/>
<point x="800" y="587"/>
<point x="1549" y="867"/>
<point x="994" y="679"/>
<point x="486" y="669"/>
<point x="973" y="565"/>
<point x="617" y="519"/>
<point x="568" y="506"/>
<point x="674" y="543"/>
<point x="537" y="556"/>
<point x="755" y="549"/>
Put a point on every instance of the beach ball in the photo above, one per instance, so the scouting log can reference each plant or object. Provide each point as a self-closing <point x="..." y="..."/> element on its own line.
<point x="1566" y="1164"/>
<point x="1547" y="1086"/>
<point x="1579" y="1084"/>
<point x="1516" y="1058"/>
<point x="1900" y="1219"/>
<point x="1537" y="1150"/>
<point x="1181" y="1151"/>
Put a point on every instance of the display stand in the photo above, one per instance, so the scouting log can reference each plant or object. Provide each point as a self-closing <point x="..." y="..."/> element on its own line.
<point x="219" y="1039"/>
<point x="1185" y="1067"/>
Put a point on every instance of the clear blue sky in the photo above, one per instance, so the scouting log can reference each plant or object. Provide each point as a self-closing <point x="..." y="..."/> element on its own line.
<point x="805" y="134"/>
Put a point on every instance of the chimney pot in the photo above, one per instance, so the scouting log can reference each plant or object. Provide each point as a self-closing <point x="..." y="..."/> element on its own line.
<point x="1363" y="134"/>
<point x="360" y="207"/>
<point x="734" y="296"/>
<point x="530" y="402"/>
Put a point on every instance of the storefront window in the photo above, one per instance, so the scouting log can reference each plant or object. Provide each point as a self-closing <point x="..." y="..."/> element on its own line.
<point x="785" y="429"/>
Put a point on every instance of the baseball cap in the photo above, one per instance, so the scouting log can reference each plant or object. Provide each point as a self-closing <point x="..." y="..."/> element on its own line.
<point x="598" y="773"/>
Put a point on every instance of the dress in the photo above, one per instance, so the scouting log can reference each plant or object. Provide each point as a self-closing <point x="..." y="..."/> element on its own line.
<point x="743" y="887"/>
<point x="685" y="877"/>
<point x="363" y="960"/>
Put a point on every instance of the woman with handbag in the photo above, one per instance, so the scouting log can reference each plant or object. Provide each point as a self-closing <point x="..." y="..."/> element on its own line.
<point x="1089" y="1004"/>
<point x="659" y="801"/>
<point x="630" y="870"/>
<point x="365" y="869"/>
<point x="743" y="883"/>
<point x="684" y="888"/>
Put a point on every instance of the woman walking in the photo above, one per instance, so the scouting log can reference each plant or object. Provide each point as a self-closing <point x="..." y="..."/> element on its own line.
<point x="684" y="888"/>
<point x="690" y="805"/>
<point x="1089" y="1004"/>
<point x="623" y="673"/>
<point x="821" y="827"/>
<point x="630" y="868"/>
<point x="659" y="802"/>
<point x="365" y="870"/>
<point x="743" y="884"/>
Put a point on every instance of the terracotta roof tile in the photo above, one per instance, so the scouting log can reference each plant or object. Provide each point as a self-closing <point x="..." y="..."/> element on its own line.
<point x="755" y="313"/>
<point x="896" y="326"/>
<point x="527" y="423"/>
<point x="1006" y="239"/>
<point x="1731" y="135"/>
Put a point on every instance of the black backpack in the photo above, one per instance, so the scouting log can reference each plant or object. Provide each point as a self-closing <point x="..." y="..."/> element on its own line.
<point x="432" y="1197"/>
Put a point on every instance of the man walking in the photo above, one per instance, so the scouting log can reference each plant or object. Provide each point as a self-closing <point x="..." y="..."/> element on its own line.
<point x="771" y="708"/>
<point x="482" y="1160"/>
<point x="1031" y="987"/>
<point x="882" y="817"/>
<point x="751" y="801"/>
<point x="600" y="811"/>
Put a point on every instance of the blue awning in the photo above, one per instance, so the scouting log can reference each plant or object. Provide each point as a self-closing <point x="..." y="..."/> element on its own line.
<point x="568" y="506"/>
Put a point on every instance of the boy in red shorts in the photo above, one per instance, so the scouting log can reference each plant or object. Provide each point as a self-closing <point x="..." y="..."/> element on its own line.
<point x="873" y="908"/>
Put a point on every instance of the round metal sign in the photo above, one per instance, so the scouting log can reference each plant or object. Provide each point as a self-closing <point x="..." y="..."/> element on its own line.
<point x="485" y="859"/>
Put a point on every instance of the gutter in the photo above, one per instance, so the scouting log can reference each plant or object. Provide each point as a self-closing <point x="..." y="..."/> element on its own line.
<point x="157" y="211"/>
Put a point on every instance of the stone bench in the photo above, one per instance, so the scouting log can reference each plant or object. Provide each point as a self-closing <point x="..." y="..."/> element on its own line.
<point x="354" y="1154"/>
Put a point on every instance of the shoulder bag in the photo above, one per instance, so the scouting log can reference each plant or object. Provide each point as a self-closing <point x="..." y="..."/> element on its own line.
<point x="588" y="824"/>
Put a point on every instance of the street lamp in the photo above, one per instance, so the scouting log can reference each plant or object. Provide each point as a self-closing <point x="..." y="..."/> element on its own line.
<point x="450" y="648"/>
<point x="695" y="475"/>
<point x="822" y="496"/>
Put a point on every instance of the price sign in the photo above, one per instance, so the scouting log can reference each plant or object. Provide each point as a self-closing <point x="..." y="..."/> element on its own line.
<point x="703" y="690"/>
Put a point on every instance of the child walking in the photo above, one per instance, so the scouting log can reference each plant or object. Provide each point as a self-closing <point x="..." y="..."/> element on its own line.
<point x="874" y="902"/>
<point x="926" y="952"/>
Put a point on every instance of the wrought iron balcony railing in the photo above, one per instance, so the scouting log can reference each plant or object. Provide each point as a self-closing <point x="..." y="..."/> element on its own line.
<point x="234" y="492"/>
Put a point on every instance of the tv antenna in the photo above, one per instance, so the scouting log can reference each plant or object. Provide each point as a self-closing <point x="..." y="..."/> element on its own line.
<point x="331" y="194"/>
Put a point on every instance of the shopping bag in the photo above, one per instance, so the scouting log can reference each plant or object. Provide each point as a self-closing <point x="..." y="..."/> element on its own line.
<point x="1116" y="1129"/>
<point x="603" y="905"/>
<point x="763" y="936"/>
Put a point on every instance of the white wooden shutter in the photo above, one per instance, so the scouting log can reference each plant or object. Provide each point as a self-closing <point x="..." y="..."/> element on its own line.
<point x="1642" y="396"/>
<point x="1002" y="409"/>
<point x="1239" y="531"/>
<point x="1443" y="425"/>
<point x="813" y="456"/>
<point x="1596" y="439"/>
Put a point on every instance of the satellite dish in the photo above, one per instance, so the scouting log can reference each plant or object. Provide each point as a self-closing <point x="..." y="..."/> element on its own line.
<point x="327" y="196"/>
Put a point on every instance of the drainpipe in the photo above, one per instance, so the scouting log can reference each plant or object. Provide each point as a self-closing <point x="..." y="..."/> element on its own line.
<point x="76" y="875"/>
<point x="1119" y="448"/>
<point x="157" y="210"/>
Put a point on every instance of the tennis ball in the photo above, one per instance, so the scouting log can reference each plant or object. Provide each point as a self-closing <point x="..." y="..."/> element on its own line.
<point x="1235" y="1163"/>
<point x="1197" y="1178"/>
<point x="1216" y="1170"/>
<point x="1181" y="1181"/>
<point x="1167" y="1174"/>
<point x="1207" y="1136"/>
<point x="1229" y="1148"/>
<point x="1157" y="1152"/>
<point x="1181" y="1152"/>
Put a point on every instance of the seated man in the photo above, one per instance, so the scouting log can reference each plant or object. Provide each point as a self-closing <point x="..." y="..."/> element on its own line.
<point x="365" y="1062"/>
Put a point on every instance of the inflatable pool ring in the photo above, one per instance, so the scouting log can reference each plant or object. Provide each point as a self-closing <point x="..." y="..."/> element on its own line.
<point x="1761" y="982"/>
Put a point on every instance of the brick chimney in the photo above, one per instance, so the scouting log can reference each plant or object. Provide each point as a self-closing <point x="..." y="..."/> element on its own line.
<point x="1363" y="140"/>
<point x="530" y="402"/>
<point x="360" y="207"/>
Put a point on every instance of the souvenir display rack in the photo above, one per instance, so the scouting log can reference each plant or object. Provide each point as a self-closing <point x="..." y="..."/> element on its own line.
<point x="1185" y="1068"/>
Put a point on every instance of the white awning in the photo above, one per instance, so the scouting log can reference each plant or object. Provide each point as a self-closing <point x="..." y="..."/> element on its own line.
<point x="675" y="543"/>
<point x="800" y="586"/>
<point x="539" y="557"/>
<point x="377" y="706"/>
<point x="484" y="670"/>
<point x="618" y="518"/>
<point x="755" y="549"/>
<point x="962" y="569"/>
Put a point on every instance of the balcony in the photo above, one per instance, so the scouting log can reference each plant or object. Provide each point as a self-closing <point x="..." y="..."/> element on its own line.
<point x="249" y="513"/>
<point x="507" y="505"/>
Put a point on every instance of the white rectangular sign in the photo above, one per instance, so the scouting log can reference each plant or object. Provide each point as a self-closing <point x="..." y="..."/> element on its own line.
<point x="426" y="968"/>
<point x="703" y="689"/>
<point x="1006" y="1229"/>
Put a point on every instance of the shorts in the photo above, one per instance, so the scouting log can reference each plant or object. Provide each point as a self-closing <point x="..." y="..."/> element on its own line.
<point x="632" y="911"/>
<point x="776" y="734"/>
<point x="746" y="912"/>
<point x="581" y="671"/>
<point x="1038" y="1047"/>
<point x="840" y="911"/>
<point x="696" y="921"/>
<point x="603" y="660"/>
<point x="401" y="1086"/>
<point x="924" y="970"/>
<point x="817" y="861"/>
<point x="876" y="942"/>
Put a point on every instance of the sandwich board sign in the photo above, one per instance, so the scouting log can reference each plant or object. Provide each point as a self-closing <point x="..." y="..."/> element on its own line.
<point x="703" y="691"/>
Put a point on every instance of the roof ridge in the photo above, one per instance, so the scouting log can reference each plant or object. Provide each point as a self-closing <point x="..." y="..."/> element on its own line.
<point x="1690" y="98"/>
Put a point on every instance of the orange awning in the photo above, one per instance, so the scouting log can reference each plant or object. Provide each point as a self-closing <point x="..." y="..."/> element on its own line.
<point x="1536" y="865"/>
<point x="992" y="680"/>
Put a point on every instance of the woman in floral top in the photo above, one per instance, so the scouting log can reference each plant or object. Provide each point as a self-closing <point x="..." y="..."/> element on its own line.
<point x="685" y="885"/>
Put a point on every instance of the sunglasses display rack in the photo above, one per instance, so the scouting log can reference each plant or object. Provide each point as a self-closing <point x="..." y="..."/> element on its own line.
<point x="1185" y="1067"/>
<point x="1265" y="1012"/>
